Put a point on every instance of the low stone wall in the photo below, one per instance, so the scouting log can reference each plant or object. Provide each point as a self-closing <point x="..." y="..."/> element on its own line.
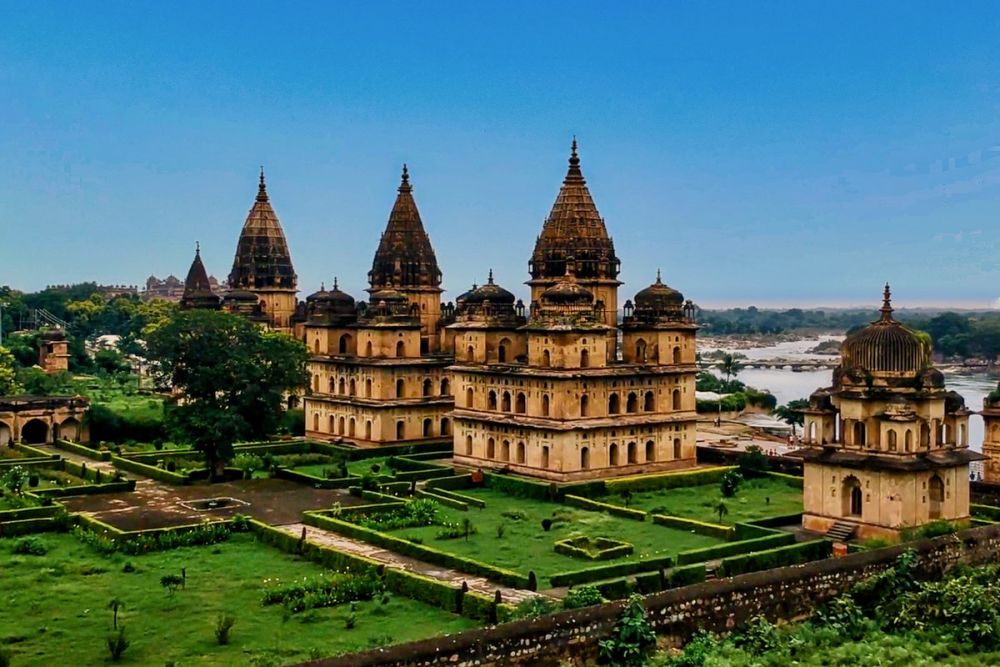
<point x="787" y="593"/>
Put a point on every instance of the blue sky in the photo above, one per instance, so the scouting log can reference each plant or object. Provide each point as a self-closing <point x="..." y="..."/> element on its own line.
<point x="772" y="153"/>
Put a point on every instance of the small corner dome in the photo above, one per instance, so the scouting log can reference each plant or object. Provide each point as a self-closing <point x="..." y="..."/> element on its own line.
<point x="489" y="292"/>
<point x="886" y="346"/>
<point x="658" y="295"/>
<point x="567" y="293"/>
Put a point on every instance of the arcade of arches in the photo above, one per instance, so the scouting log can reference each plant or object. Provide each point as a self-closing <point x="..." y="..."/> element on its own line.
<point x="36" y="420"/>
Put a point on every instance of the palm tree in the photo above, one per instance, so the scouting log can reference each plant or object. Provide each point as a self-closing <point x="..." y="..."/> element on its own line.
<point x="115" y="605"/>
<point x="730" y="365"/>
<point x="791" y="413"/>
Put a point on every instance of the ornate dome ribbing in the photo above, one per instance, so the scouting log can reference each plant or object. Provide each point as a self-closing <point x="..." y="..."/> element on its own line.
<point x="659" y="297"/>
<point x="885" y="346"/>
<point x="197" y="290"/>
<point x="262" y="259"/>
<point x="574" y="229"/>
<point x="489" y="292"/>
<point x="404" y="257"/>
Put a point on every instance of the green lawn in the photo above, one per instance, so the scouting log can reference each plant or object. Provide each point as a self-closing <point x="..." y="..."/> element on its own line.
<point x="526" y="546"/>
<point x="362" y="466"/>
<point x="756" y="499"/>
<point x="53" y="608"/>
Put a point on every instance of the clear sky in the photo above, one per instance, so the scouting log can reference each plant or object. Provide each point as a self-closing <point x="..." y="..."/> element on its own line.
<point x="758" y="152"/>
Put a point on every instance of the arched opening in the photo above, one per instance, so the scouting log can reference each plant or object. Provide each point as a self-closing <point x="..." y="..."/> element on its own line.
<point x="505" y="451"/>
<point x="677" y="355"/>
<point x="368" y="388"/>
<point x="293" y="402"/>
<point x="445" y="387"/>
<point x="316" y="383"/>
<point x="505" y="402"/>
<point x="332" y="386"/>
<point x="342" y="386"/>
<point x="520" y="404"/>
<point x="368" y="429"/>
<point x="925" y="435"/>
<point x="640" y="351"/>
<point x="614" y="404"/>
<point x="908" y="441"/>
<point x="812" y="432"/>
<point x="425" y="346"/>
<point x="650" y="451"/>
<point x="676" y="399"/>
<point x="428" y="428"/>
<point x="316" y="346"/>
<point x="400" y="388"/>
<point x="935" y="491"/>
<point x="469" y="397"/>
<point x="368" y="349"/>
<point x="427" y="387"/>
<point x="852" y="496"/>
<point x="69" y="429"/>
<point x="400" y="430"/>
<point x="545" y="456"/>
<point x="613" y="455"/>
<point x="342" y="422"/>
<point x="630" y="453"/>
<point x="468" y="445"/>
<point x="491" y="400"/>
<point x="649" y="402"/>
<point x="502" y="350"/>
<point x="545" y="405"/>
<point x="631" y="402"/>
<point x="332" y="424"/>
<point x="491" y="449"/>
<point x="678" y="453"/>
<point x="353" y="387"/>
<point x="400" y="348"/>
<point x="891" y="438"/>
<point x="585" y="458"/>
<point x="351" y="427"/>
<point x="961" y="436"/>
<point x="859" y="434"/>
<point x="315" y="425"/>
<point x="520" y="452"/>
<point x="584" y="405"/>
<point x="946" y="434"/>
<point x="584" y="358"/>
<point x="470" y="353"/>
<point x="546" y="358"/>
<point x="445" y="426"/>
<point x="344" y="346"/>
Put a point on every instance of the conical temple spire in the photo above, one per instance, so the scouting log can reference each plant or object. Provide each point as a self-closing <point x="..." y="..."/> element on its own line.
<point x="197" y="289"/>
<point x="886" y="308"/>
<point x="404" y="257"/>
<point x="262" y="259"/>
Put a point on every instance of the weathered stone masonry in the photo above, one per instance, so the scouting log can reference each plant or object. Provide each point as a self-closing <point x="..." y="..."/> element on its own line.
<point x="787" y="593"/>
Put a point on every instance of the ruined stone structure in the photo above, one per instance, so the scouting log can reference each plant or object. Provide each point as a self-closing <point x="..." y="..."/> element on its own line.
<point x="377" y="371"/>
<point x="43" y="419"/>
<point x="887" y="444"/>
<point x="550" y="395"/>
<point x="262" y="283"/>
<point x="198" y="292"/>
<point x="53" y="351"/>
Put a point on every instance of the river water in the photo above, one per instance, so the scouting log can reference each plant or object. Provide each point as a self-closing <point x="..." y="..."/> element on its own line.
<point x="788" y="385"/>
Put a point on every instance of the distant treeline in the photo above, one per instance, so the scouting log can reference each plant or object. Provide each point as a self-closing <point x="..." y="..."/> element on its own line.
<point x="753" y="320"/>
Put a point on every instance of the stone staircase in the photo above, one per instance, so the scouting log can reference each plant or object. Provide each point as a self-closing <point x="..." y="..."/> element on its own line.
<point x="841" y="531"/>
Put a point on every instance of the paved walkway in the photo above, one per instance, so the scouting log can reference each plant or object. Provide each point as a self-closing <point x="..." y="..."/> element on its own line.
<point x="329" y="538"/>
<point x="92" y="464"/>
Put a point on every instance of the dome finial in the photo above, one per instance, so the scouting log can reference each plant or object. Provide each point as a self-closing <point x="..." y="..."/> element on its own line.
<point x="197" y="248"/>
<point x="404" y="185"/>
<point x="335" y="283"/>
<point x="322" y="286"/>
<point x="262" y="189"/>
<point x="886" y="304"/>
<point x="490" y="281"/>
<point x="658" y="280"/>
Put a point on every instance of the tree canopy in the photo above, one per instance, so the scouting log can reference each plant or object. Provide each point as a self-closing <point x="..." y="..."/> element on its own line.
<point x="230" y="378"/>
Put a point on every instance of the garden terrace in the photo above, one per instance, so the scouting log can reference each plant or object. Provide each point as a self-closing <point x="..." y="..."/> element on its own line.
<point x="56" y="603"/>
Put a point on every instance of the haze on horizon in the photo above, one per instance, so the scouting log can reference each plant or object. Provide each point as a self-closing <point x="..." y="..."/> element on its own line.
<point x="771" y="154"/>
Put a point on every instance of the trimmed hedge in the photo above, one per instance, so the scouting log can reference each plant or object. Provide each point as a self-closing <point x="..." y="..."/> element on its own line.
<point x="29" y="513"/>
<point x="751" y="531"/>
<point x="685" y="575"/>
<point x="313" y="481"/>
<point x="591" y="574"/>
<point x="605" y="548"/>
<point x="617" y="589"/>
<point x="456" y="483"/>
<point x="443" y="499"/>
<point x="595" y="506"/>
<point x="793" y="481"/>
<point x="985" y="511"/>
<point x="86" y="489"/>
<point x="734" y="548"/>
<point x="83" y="450"/>
<point x="697" y="527"/>
<point x="31" y="451"/>
<point x="521" y="488"/>
<point x="471" y="501"/>
<point x="667" y="480"/>
<point x="772" y="558"/>
<point x="591" y="489"/>
<point x="28" y="461"/>
<point x="420" y="475"/>
<point x="419" y="551"/>
<point x="27" y="526"/>
<point x="153" y="472"/>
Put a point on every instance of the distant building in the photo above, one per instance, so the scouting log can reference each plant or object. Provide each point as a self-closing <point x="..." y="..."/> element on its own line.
<point x="886" y="447"/>
<point x="53" y="351"/>
<point x="198" y="292"/>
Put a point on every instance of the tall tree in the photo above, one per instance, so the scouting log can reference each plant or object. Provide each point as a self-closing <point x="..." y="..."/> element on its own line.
<point x="731" y="365"/>
<point x="8" y="376"/>
<point x="792" y="412"/>
<point x="230" y="378"/>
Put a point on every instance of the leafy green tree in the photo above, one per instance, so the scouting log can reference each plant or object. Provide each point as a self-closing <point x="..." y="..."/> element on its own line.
<point x="230" y="377"/>
<point x="8" y="376"/>
<point x="632" y="639"/>
<point x="792" y="413"/>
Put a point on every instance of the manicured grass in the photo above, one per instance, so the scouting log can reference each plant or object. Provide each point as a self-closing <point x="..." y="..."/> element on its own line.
<point x="362" y="466"/>
<point x="525" y="546"/>
<point x="700" y="502"/>
<point x="12" y="502"/>
<point x="53" y="608"/>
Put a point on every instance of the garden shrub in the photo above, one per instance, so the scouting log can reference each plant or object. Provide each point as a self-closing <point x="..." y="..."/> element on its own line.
<point x="598" y="548"/>
<point x="534" y="607"/>
<point x="413" y="514"/>
<point x="582" y="596"/>
<point x="30" y="546"/>
<point x="632" y="639"/>
<point x="117" y="644"/>
<point x="326" y="591"/>
<point x="730" y="483"/>
<point x="223" y="627"/>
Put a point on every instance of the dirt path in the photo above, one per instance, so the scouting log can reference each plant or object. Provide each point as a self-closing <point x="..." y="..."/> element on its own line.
<point x="391" y="559"/>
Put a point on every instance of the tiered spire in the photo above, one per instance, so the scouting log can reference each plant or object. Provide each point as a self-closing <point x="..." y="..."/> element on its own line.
<point x="405" y="257"/>
<point x="886" y="308"/>
<point x="197" y="289"/>
<point x="262" y="259"/>
<point x="574" y="228"/>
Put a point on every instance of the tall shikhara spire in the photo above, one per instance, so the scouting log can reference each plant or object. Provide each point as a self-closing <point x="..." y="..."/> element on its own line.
<point x="574" y="229"/>
<point x="262" y="259"/>
<point x="404" y="257"/>
<point x="197" y="289"/>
